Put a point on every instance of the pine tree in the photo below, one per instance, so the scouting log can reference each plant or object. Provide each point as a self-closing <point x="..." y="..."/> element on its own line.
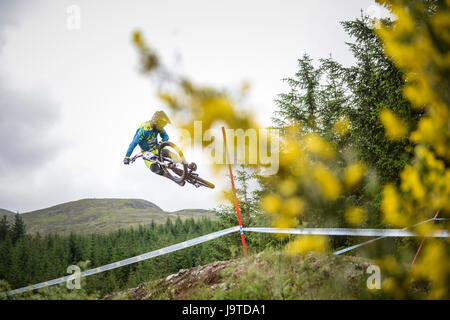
<point x="4" y="228"/>
<point x="5" y="261"/>
<point x="18" y="228"/>
<point x="319" y="96"/>
<point x="333" y="95"/>
<point x="376" y="83"/>
<point x="301" y="103"/>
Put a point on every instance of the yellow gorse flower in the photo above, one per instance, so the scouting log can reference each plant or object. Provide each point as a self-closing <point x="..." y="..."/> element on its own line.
<point x="271" y="203"/>
<point x="353" y="175"/>
<point x="293" y="206"/>
<point x="411" y="183"/>
<point x="318" y="146"/>
<point x="434" y="267"/>
<point x="290" y="153"/>
<point x="304" y="244"/>
<point x="355" y="215"/>
<point x="283" y="221"/>
<point x="342" y="126"/>
<point x="395" y="129"/>
<point x="390" y="206"/>
<point x="288" y="187"/>
<point x="329" y="184"/>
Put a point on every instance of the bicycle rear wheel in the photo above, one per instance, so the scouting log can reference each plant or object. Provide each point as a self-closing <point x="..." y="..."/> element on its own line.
<point x="177" y="167"/>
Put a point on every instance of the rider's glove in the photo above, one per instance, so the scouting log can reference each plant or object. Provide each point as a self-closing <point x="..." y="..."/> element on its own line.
<point x="126" y="160"/>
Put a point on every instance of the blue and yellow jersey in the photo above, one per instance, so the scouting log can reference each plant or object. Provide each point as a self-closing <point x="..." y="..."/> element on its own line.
<point x="147" y="138"/>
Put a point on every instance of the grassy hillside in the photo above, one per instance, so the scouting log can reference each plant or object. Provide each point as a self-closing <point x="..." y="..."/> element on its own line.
<point x="7" y="213"/>
<point x="88" y="216"/>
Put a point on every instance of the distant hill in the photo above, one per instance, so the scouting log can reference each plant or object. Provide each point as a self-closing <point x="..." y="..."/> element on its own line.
<point x="89" y="216"/>
<point x="7" y="213"/>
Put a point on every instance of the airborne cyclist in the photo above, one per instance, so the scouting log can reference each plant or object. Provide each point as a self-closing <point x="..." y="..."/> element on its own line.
<point x="146" y="137"/>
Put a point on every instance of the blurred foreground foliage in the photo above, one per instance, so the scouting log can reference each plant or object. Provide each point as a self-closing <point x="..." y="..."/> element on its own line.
<point x="366" y="145"/>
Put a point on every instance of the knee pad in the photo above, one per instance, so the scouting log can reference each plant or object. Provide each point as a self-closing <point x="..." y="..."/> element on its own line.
<point x="165" y="153"/>
<point x="156" y="169"/>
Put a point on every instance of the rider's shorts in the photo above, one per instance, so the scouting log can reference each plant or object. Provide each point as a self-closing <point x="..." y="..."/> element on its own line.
<point x="166" y="153"/>
<point x="149" y="163"/>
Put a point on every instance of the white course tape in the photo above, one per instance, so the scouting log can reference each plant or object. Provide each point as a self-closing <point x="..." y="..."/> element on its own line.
<point x="128" y="261"/>
<point x="357" y="246"/>
<point x="349" y="232"/>
<point x="379" y="238"/>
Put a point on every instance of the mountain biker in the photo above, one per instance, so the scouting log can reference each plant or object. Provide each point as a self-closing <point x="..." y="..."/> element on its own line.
<point x="146" y="137"/>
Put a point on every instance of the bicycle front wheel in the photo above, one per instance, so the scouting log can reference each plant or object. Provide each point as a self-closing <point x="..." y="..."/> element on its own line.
<point x="174" y="163"/>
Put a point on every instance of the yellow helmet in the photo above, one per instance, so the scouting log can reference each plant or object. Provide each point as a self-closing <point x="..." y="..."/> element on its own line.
<point x="160" y="119"/>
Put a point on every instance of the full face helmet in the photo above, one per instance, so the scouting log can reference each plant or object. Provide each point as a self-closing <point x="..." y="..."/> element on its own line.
<point x="159" y="120"/>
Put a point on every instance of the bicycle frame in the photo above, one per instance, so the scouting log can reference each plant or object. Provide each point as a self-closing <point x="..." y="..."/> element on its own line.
<point x="153" y="158"/>
<point x="167" y="163"/>
<point x="188" y="175"/>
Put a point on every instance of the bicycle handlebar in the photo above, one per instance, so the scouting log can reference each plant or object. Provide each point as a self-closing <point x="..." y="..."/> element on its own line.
<point x="141" y="154"/>
<point x="133" y="159"/>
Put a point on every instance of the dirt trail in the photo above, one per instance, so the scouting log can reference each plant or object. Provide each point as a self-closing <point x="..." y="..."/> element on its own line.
<point x="182" y="283"/>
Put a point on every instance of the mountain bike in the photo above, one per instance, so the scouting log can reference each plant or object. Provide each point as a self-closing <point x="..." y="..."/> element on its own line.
<point x="175" y="167"/>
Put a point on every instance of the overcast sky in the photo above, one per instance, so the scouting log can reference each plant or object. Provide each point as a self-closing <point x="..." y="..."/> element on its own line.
<point x="71" y="99"/>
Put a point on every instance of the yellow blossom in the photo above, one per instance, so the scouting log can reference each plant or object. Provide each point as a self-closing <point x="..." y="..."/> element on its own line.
<point x="355" y="215"/>
<point x="390" y="265"/>
<point x="425" y="229"/>
<point x="329" y="184"/>
<point x="293" y="206"/>
<point x="433" y="266"/>
<point x="390" y="206"/>
<point x="353" y="175"/>
<point x="394" y="128"/>
<point x="291" y="153"/>
<point x="342" y="126"/>
<point x="301" y="167"/>
<point x="288" y="187"/>
<point x="389" y="285"/>
<point x="411" y="182"/>
<point x="425" y="132"/>
<point x="283" y="221"/>
<point x="271" y="203"/>
<point x="316" y="145"/>
<point x="418" y="93"/>
<point x="169" y="99"/>
<point x="304" y="244"/>
<point x="441" y="24"/>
